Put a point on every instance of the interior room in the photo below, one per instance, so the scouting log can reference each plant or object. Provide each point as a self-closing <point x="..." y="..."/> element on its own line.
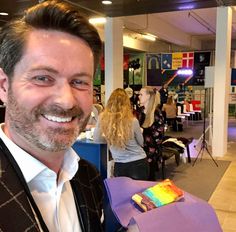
<point x="189" y="43"/>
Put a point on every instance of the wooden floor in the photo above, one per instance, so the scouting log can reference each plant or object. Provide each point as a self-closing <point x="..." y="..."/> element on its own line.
<point x="223" y="200"/>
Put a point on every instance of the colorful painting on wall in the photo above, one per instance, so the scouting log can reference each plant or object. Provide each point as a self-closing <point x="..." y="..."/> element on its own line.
<point x="162" y="68"/>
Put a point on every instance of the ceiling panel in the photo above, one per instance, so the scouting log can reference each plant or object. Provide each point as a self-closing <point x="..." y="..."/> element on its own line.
<point x="118" y="8"/>
<point x="180" y="14"/>
<point x="123" y="7"/>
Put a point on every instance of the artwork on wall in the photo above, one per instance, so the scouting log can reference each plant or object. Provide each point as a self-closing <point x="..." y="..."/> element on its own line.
<point x="201" y="60"/>
<point x="177" y="60"/>
<point x="163" y="68"/>
<point x="131" y="77"/>
<point x="136" y="74"/>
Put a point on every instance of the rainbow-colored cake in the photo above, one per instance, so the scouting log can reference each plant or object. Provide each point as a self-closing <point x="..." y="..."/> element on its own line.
<point x="158" y="195"/>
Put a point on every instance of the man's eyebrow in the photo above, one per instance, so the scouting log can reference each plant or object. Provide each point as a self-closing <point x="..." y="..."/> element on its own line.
<point x="44" y="68"/>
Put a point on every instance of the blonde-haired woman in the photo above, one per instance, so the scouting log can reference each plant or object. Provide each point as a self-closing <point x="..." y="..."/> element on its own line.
<point x="152" y="122"/>
<point x="120" y="129"/>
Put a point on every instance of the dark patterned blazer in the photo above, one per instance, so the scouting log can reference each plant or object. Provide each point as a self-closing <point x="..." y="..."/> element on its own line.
<point x="16" y="213"/>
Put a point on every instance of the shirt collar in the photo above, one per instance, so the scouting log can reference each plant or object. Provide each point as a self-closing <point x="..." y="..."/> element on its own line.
<point x="25" y="160"/>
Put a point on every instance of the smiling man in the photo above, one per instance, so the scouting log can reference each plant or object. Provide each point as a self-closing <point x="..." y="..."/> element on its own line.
<point x="47" y="62"/>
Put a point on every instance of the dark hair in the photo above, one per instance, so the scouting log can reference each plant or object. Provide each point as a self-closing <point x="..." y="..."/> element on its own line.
<point x="53" y="15"/>
<point x="163" y="83"/>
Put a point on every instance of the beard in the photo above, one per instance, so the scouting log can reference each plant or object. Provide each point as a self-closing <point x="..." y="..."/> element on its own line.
<point x="26" y="124"/>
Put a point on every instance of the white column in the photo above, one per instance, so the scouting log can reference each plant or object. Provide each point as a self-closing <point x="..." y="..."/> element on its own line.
<point x="113" y="55"/>
<point x="221" y="81"/>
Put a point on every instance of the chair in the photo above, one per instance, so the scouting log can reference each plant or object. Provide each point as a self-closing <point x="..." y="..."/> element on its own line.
<point x="167" y="153"/>
<point x="190" y="113"/>
<point x="195" y="107"/>
<point x="182" y="116"/>
<point x="169" y="147"/>
<point x="171" y="122"/>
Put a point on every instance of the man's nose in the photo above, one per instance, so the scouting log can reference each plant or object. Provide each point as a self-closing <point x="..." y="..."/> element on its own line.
<point x="65" y="96"/>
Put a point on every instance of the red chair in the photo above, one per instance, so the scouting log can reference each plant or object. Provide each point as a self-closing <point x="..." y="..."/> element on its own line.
<point x="195" y="106"/>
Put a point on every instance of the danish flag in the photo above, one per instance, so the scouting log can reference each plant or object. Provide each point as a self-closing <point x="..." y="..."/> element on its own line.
<point x="188" y="60"/>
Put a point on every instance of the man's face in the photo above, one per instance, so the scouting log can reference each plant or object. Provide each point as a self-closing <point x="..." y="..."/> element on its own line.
<point x="50" y="97"/>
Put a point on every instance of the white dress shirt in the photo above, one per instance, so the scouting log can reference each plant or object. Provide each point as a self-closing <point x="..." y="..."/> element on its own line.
<point x="53" y="197"/>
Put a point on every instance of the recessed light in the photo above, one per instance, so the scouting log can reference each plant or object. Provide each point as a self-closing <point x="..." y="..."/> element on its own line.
<point x="3" y="13"/>
<point x="106" y="2"/>
<point x="149" y="37"/>
<point x="100" y="20"/>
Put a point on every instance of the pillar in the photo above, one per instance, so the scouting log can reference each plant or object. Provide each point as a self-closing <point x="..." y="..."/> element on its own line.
<point x="221" y="81"/>
<point x="113" y="55"/>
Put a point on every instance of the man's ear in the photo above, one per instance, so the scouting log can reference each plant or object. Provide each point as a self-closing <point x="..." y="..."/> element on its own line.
<point x="3" y="86"/>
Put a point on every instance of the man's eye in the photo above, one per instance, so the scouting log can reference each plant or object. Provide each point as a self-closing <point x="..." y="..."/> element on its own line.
<point x="42" y="80"/>
<point x="80" y="84"/>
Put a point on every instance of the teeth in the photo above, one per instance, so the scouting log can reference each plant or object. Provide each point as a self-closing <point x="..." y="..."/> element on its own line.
<point x="57" y="119"/>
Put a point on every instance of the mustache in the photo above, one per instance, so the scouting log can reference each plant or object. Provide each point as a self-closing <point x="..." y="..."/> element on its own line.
<point x="60" y="112"/>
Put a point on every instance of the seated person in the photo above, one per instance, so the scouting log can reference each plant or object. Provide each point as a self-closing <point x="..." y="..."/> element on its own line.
<point x="186" y="103"/>
<point x="170" y="110"/>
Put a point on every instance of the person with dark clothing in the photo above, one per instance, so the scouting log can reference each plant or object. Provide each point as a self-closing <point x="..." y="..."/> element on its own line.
<point x="180" y="96"/>
<point x="163" y="94"/>
<point x="152" y="122"/>
<point x="47" y="62"/>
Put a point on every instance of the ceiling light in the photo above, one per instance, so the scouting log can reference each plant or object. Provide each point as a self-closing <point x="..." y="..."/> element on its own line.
<point x="106" y="2"/>
<point x="100" y="20"/>
<point x="3" y="13"/>
<point x="149" y="37"/>
<point x="186" y="7"/>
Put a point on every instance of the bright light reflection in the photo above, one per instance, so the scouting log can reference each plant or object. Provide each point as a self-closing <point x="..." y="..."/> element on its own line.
<point x="106" y="2"/>
<point x="3" y="13"/>
<point x="185" y="72"/>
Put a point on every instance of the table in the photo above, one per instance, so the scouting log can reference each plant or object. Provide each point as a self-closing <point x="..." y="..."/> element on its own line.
<point x="95" y="153"/>
<point x="188" y="214"/>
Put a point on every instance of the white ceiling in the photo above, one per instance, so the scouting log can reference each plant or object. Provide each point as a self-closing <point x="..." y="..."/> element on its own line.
<point x="184" y="28"/>
<point x="179" y="27"/>
<point x="184" y="20"/>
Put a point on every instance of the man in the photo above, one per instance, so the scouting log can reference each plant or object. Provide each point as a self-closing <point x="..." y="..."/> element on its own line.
<point x="180" y="96"/>
<point x="163" y="94"/>
<point x="47" y="62"/>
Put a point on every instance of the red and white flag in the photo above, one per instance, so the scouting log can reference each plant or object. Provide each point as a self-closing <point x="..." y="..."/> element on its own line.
<point x="188" y="60"/>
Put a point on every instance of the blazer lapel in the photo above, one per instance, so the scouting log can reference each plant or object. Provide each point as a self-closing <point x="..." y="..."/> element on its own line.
<point x="88" y="193"/>
<point x="15" y="210"/>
